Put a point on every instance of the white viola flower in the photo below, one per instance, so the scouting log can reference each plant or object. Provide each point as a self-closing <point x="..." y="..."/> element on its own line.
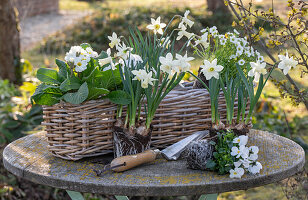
<point x="223" y="41"/>
<point x="185" y="20"/>
<point x="245" y="162"/>
<point x="183" y="62"/>
<point x="257" y="69"/>
<point x="256" y="168"/>
<point x="247" y="53"/>
<point x="239" y="49"/>
<point x="240" y="152"/>
<point x="241" y="140"/>
<point x="80" y="64"/>
<point x="165" y="42"/>
<point x="91" y="53"/>
<point x="241" y="62"/>
<point x="211" y="69"/>
<point x="254" y="149"/>
<point x="203" y="41"/>
<point x="114" y="40"/>
<point x="253" y="156"/>
<point x="286" y="63"/>
<point x="183" y="32"/>
<point x="236" y="172"/>
<point x="237" y="164"/>
<point x="167" y="63"/>
<point x="156" y="26"/>
<point x="123" y="51"/>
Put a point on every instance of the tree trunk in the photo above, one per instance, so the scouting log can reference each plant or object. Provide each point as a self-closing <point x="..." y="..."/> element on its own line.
<point x="217" y="6"/>
<point x="9" y="42"/>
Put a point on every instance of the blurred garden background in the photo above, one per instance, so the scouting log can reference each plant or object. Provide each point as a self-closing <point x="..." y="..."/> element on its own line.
<point x="47" y="31"/>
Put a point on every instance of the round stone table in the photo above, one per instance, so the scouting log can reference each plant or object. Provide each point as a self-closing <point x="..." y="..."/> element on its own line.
<point x="29" y="158"/>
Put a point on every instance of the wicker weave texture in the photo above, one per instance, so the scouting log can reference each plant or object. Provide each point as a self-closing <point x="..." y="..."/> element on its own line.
<point x="78" y="131"/>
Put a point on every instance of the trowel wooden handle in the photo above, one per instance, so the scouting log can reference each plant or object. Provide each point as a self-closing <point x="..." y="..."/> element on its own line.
<point x="134" y="160"/>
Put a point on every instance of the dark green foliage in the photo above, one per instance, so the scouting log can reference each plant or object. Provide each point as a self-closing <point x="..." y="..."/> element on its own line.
<point x="222" y="160"/>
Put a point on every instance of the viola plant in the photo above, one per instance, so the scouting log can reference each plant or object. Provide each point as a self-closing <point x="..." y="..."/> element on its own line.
<point x="80" y="78"/>
<point x="149" y="70"/>
<point x="233" y="156"/>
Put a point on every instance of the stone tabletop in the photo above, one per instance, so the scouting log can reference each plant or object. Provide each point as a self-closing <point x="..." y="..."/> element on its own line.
<point x="29" y="158"/>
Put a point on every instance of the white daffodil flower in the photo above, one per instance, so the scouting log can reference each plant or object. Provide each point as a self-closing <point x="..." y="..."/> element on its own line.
<point x="185" y="20"/>
<point x="256" y="168"/>
<point x="241" y="140"/>
<point x="241" y="62"/>
<point x="123" y="51"/>
<point x="107" y="60"/>
<point x="148" y="80"/>
<point x="167" y="63"/>
<point x="245" y="162"/>
<point x="114" y="40"/>
<point x="236" y="172"/>
<point x="183" y="62"/>
<point x="145" y="78"/>
<point x="91" y="53"/>
<point x="165" y="42"/>
<point x="183" y="32"/>
<point x="211" y="69"/>
<point x="203" y="41"/>
<point x="257" y="69"/>
<point x="80" y="65"/>
<point x="156" y="26"/>
<point x="286" y="63"/>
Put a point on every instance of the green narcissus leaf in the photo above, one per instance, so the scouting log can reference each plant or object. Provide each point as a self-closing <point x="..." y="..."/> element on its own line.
<point x="78" y="97"/>
<point x="95" y="92"/>
<point x="119" y="97"/>
<point x="48" y="76"/>
<point x="64" y="70"/>
<point x="71" y="83"/>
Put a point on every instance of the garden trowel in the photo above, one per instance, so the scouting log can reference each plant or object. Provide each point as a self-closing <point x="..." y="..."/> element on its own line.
<point x="172" y="152"/>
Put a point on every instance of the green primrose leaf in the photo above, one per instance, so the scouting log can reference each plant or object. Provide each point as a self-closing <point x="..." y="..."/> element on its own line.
<point x="64" y="71"/>
<point x="71" y="83"/>
<point x="119" y="97"/>
<point x="48" y="76"/>
<point x="210" y="164"/>
<point x="95" y="92"/>
<point x="85" y="45"/>
<point x="78" y="97"/>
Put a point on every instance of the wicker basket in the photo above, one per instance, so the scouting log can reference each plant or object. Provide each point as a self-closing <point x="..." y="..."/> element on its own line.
<point x="78" y="131"/>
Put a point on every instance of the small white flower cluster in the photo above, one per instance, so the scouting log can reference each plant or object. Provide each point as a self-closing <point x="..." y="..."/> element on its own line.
<point x="246" y="158"/>
<point x="172" y="66"/>
<point x="80" y="57"/>
<point x="126" y="58"/>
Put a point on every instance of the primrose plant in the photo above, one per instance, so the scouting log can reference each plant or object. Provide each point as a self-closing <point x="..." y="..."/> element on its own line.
<point x="149" y="70"/>
<point x="79" y="78"/>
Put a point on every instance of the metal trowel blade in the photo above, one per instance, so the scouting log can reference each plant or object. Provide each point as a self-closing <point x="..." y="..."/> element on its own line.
<point x="174" y="151"/>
